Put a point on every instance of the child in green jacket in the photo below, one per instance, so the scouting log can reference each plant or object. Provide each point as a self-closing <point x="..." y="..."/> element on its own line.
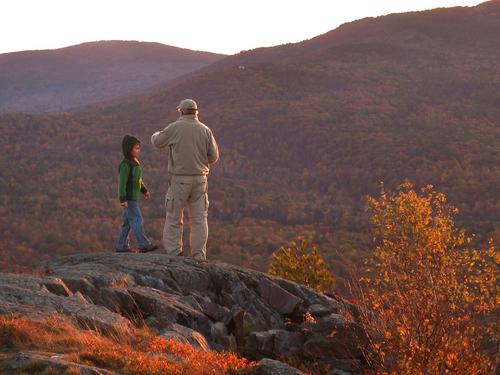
<point x="129" y="187"/>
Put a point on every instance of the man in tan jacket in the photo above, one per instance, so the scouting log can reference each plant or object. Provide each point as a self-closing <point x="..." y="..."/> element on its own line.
<point x="192" y="150"/>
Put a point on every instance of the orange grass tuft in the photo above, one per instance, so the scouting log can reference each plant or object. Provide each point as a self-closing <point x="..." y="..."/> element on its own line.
<point x="139" y="352"/>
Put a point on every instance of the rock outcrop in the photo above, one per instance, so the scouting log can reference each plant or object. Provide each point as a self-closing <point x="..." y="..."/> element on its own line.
<point x="213" y="306"/>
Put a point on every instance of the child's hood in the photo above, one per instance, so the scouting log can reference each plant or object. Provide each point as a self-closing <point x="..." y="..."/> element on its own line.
<point x="128" y="143"/>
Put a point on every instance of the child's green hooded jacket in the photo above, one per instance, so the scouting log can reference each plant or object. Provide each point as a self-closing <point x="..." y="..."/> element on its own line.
<point x="130" y="183"/>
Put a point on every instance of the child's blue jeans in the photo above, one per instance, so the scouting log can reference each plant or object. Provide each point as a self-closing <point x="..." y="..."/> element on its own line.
<point x="132" y="219"/>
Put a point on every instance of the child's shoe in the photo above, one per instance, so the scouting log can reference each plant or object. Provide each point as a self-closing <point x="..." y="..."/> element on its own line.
<point x="128" y="250"/>
<point x="150" y="247"/>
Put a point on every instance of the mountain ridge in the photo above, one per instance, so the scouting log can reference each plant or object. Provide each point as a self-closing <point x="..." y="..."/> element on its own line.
<point x="63" y="78"/>
<point x="349" y="32"/>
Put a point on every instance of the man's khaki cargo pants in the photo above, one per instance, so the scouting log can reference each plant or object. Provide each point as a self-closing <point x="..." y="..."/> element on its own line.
<point x="190" y="192"/>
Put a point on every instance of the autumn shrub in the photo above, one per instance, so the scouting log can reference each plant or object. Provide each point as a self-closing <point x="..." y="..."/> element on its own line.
<point x="427" y="298"/>
<point x="301" y="262"/>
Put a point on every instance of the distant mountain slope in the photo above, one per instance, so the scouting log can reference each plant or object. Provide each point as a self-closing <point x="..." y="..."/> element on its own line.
<point x="305" y="131"/>
<point x="471" y="29"/>
<point x="55" y="80"/>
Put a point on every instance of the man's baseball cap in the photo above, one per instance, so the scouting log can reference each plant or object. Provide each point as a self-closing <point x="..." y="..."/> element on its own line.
<point x="187" y="104"/>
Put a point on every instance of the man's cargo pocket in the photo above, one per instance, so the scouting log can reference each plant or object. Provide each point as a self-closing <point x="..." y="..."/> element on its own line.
<point x="169" y="203"/>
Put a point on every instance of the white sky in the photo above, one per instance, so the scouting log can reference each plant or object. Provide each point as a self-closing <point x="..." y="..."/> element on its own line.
<point x="224" y="26"/>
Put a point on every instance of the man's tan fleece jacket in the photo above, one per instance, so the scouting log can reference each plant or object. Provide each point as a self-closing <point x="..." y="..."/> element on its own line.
<point x="192" y="146"/>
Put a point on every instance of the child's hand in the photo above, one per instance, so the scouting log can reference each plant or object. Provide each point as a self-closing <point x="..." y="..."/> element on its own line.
<point x="124" y="204"/>
<point x="147" y="195"/>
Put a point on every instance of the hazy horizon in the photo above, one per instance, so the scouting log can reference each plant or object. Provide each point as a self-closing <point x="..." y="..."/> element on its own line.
<point x="202" y="27"/>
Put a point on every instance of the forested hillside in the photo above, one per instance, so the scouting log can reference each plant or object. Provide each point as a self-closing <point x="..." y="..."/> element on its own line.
<point x="305" y="132"/>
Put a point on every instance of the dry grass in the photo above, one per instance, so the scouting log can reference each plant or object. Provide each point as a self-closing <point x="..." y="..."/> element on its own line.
<point x="139" y="352"/>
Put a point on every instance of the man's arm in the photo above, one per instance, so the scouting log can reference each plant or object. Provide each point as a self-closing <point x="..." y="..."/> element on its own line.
<point x="161" y="138"/>
<point x="213" y="150"/>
